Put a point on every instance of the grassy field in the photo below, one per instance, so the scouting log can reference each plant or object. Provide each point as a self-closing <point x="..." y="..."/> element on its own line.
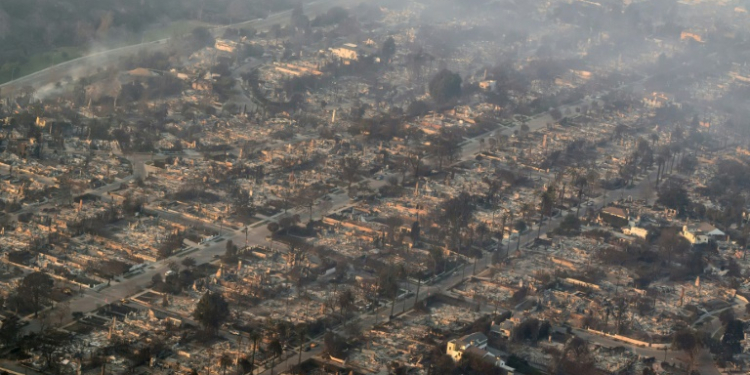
<point x="38" y="62"/>
<point x="174" y="28"/>
<point x="46" y="59"/>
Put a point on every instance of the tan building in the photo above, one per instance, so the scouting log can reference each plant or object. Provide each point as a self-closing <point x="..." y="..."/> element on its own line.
<point x="701" y="233"/>
<point x="347" y="51"/>
<point x="226" y="45"/>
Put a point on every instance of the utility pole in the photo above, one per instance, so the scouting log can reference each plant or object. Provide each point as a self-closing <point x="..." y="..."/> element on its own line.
<point x="377" y="312"/>
<point x="419" y="283"/>
<point x="239" y="350"/>
<point x="301" y="344"/>
<point x="403" y="308"/>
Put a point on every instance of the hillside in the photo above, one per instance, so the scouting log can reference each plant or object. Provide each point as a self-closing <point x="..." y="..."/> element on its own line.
<point x="35" y="34"/>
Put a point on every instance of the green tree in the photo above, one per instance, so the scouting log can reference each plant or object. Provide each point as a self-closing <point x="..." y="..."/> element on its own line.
<point x="254" y="337"/>
<point x="445" y="87"/>
<point x="445" y="147"/>
<point x="231" y="254"/>
<point x="9" y="330"/>
<point x="393" y="223"/>
<point x="415" y="232"/>
<point x="301" y="337"/>
<point x="687" y="341"/>
<point x="672" y="243"/>
<point x="570" y="225"/>
<point x="417" y="108"/>
<point x="211" y="311"/>
<point x="672" y="194"/>
<point x="307" y="196"/>
<point x="388" y="49"/>
<point x="189" y="262"/>
<point x="334" y="345"/>
<point x="527" y="330"/>
<point x="575" y="358"/>
<point x="243" y="204"/>
<point x="519" y="226"/>
<point x="734" y="333"/>
<point x="275" y="349"/>
<point x="545" y="207"/>
<point x="346" y="302"/>
<point x="299" y="20"/>
<point x="457" y="213"/>
<point x="225" y="361"/>
<point x="202" y="37"/>
<point x="35" y="290"/>
<point x="350" y="170"/>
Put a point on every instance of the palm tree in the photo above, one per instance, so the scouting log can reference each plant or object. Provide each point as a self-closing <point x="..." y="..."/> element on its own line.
<point x="254" y="337"/>
<point x="662" y="156"/>
<point x="210" y="353"/>
<point x="510" y="233"/>
<point x="548" y="201"/>
<point x="301" y="335"/>
<point x="520" y="226"/>
<point x="275" y="350"/>
<point x="225" y="361"/>
<point x="526" y="209"/>
<point x="620" y="131"/>
<point x="482" y="231"/>
<point x="502" y="230"/>
<point x="592" y="180"/>
<point x="581" y="182"/>
<point x="239" y="352"/>
<point x="676" y="149"/>
<point x="346" y="301"/>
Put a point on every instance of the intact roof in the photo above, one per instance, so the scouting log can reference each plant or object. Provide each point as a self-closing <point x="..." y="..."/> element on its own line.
<point x="474" y="337"/>
<point x="705" y="228"/>
<point x="615" y="211"/>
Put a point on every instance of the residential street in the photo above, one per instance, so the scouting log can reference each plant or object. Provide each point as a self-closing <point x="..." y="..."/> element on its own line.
<point x="90" y="300"/>
<point x="374" y="186"/>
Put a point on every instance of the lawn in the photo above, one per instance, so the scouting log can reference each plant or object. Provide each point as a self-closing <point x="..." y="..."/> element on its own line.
<point x="38" y="62"/>
<point x="174" y="28"/>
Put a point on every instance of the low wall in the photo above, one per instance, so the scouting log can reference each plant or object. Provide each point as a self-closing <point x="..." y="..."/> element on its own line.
<point x="629" y="340"/>
<point x="96" y="287"/>
<point x="741" y="298"/>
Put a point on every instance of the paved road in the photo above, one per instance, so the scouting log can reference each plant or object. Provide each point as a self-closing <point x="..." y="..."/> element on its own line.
<point x="703" y="361"/>
<point x="370" y="319"/>
<point x="14" y="368"/>
<point x="641" y="190"/>
<point x="91" y="300"/>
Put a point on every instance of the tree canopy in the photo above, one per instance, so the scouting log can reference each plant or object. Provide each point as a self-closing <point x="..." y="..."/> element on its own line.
<point x="457" y="212"/>
<point x="570" y="225"/>
<point x="388" y="50"/>
<point x="35" y="290"/>
<point x="211" y="311"/>
<point x="672" y="194"/>
<point x="445" y="87"/>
